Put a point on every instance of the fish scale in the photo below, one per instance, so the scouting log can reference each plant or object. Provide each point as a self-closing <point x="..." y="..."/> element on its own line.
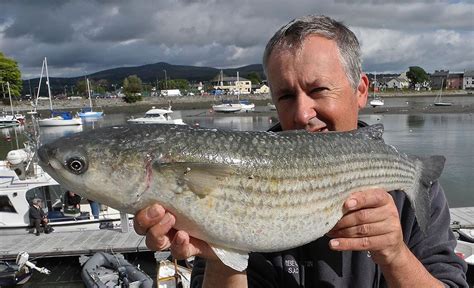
<point x="247" y="191"/>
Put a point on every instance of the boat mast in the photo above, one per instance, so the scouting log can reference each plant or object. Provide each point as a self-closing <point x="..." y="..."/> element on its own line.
<point x="10" y="97"/>
<point x="89" y="93"/>
<point x="47" y="84"/>
<point x="237" y="86"/>
<point x="375" y="83"/>
<point x="39" y="85"/>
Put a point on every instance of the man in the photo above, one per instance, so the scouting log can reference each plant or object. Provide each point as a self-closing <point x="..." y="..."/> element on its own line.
<point x="313" y="68"/>
<point x="37" y="216"/>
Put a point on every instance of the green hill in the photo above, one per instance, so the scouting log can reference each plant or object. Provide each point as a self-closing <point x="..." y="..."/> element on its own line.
<point x="149" y="73"/>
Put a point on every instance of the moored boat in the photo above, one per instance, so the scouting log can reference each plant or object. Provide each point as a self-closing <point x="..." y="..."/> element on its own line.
<point x="438" y="100"/>
<point x="57" y="118"/>
<point x="19" y="272"/>
<point x="246" y="105"/>
<point x="157" y="116"/>
<point x="87" y="112"/>
<point x="112" y="270"/>
<point x="227" y="107"/>
<point x="22" y="180"/>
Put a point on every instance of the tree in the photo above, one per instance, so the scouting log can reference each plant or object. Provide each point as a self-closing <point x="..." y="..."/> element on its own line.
<point x="254" y="78"/>
<point x="132" y="88"/>
<point x="10" y="73"/>
<point x="417" y="75"/>
<point x="81" y="87"/>
<point x="181" y="84"/>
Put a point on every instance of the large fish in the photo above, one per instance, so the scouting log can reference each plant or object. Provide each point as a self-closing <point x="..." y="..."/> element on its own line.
<point x="238" y="191"/>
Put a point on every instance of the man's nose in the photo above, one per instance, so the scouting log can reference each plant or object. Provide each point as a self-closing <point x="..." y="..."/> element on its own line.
<point x="303" y="111"/>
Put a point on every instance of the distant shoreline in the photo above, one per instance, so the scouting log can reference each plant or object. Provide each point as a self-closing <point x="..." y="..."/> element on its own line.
<point x="117" y="105"/>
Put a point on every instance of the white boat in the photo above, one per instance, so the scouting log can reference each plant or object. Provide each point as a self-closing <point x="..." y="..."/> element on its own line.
<point x="22" y="180"/>
<point x="271" y="106"/>
<point x="57" y="118"/>
<point x="7" y="120"/>
<point x="438" y="100"/>
<point x="157" y="116"/>
<point x="376" y="100"/>
<point x="60" y="118"/>
<point x="246" y="105"/>
<point x="88" y="113"/>
<point x="227" y="107"/>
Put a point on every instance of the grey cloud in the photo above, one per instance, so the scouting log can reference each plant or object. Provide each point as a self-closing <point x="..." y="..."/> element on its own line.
<point x="80" y="36"/>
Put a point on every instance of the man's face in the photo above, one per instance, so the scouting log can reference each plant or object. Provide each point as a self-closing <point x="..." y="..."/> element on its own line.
<point x="310" y="89"/>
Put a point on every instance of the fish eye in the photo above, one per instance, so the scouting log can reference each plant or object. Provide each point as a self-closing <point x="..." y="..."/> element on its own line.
<point x="76" y="165"/>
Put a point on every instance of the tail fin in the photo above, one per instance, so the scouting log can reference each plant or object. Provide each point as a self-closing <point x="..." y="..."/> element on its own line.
<point x="429" y="169"/>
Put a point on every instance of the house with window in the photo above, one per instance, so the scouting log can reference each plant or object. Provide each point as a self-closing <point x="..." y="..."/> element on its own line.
<point x="397" y="83"/>
<point x="232" y="85"/>
<point x="454" y="81"/>
<point x="468" y="80"/>
<point x="262" y="89"/>
<point x="439" y="78"/>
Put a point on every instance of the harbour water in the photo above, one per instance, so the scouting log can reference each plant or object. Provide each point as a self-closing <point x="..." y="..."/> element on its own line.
<point x="445" y="134"/>
<point x="448" y="134"/>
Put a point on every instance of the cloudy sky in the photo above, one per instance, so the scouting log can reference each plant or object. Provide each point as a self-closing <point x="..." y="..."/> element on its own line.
<point x="80" y="37"/>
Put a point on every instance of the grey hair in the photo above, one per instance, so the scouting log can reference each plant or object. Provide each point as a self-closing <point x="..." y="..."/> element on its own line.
<point x="296" y="31"/>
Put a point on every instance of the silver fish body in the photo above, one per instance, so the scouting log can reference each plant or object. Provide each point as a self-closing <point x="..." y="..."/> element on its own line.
<point x="248" y="191"/>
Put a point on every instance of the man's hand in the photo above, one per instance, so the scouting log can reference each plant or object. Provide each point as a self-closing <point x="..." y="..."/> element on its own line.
<point x="157" y="224"/>
<point x="370" y="222"/>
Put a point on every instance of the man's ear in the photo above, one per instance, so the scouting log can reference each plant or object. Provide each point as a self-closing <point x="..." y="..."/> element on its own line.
<point x="362" y="90"/>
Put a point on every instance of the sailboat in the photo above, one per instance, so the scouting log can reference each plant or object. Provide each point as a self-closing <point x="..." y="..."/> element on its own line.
<point x="376" y="101"/>
<point x="226" y="107"/>
<point x="7" y="120"/>
<point x="58" y="118"/>
<point x="87" y="112"/>
<point x="438" y="101"/>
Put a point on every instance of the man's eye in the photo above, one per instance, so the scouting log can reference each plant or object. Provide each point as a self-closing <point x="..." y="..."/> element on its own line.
<point x="285" y="97"/>
<point x="318" y="90"/>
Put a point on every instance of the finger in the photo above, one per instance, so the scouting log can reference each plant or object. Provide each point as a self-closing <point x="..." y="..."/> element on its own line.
<point x="365" y="216"/>
<point x="183" y="246"/>
<point x="364" y="230"/>
<point x="363" y="243"/>
<point x="367" y="199"/>
<point x="158" y="243"/>
<point x="147" y="217"/>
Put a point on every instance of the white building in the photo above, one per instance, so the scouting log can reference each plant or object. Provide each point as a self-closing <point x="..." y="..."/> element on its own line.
<point x="468" y="80"/>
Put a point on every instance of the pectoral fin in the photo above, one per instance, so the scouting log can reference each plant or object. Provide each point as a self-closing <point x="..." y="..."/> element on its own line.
<point x="201" y="178"/>
<point x="235" y="259"/>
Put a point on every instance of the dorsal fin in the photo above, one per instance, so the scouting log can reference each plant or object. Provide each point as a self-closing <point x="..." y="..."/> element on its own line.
<point x="372" y="132"/>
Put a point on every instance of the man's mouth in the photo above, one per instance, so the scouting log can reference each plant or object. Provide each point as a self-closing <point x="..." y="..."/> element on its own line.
<point x="316" y="125"/>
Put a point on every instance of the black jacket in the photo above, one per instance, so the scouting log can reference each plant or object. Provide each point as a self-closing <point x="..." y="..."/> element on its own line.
<point x="36" y="213"/>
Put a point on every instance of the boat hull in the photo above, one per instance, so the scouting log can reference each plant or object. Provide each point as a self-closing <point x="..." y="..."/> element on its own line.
<point x="227" y="108"/>
<point x="59" y="122"/>
<point x="443" y="104"/>
<point x="91" y="115"/>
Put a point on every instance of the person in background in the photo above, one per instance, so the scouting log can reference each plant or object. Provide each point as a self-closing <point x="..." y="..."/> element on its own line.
<point x="37" y="217"/>
<point x="313" y="67"/>
<point x="95" y="208"/>
<point x="73" y="200"/>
